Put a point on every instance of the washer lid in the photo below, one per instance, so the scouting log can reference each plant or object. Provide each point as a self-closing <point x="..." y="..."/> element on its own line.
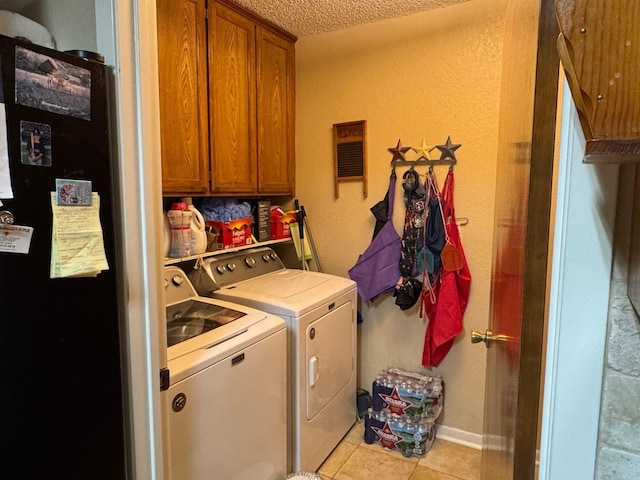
<point x="190" y="318"/>
<point x="200" y="323"/>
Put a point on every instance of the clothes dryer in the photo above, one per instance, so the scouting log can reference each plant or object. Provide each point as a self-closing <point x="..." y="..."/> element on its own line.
<point x="320" y="314"/>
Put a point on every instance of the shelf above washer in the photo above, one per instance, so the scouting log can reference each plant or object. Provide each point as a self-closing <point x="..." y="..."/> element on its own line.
<point x="173" y="261"/>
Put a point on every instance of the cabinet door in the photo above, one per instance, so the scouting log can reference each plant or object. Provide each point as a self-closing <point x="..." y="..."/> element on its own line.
<point x="183" y="95"/>
<point x="275" y="113"/>
<point x="232" y="102"/>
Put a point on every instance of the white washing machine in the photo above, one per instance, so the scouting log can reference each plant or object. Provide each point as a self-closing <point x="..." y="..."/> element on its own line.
<point x="320" y="313"/>
<point x="227" y="387"/>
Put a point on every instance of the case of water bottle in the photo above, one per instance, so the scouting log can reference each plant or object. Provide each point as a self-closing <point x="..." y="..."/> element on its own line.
<point x="404" y="408"/>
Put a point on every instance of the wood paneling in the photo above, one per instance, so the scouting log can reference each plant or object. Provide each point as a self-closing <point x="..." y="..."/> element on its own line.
<point x="233" y="102"/>
<point x="183" y="95"/>
<point x="600" y="51"/>
<point x="276" y="113"/>
<point x="226" y="101"/>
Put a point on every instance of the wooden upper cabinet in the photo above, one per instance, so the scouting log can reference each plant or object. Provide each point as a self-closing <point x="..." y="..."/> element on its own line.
<point x="226" y="101"/>
<point x="183" y="95"/>
<point x="276" y="113"/>
<point x="251" y="81"/>
<point x="232" y="94"/>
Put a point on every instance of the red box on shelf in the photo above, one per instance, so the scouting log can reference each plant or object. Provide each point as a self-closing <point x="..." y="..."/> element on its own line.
<point x="234" y="233"/>
<point x="280" y="224"/>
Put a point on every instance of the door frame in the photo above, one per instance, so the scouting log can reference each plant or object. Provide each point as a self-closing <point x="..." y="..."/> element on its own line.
<point x="578" y="305"/>
<point x="126" y="36"/>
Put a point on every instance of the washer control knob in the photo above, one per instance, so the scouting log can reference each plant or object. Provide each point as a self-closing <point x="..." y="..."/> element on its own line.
<point x="177" y="280"/>
<point x="231" y="267"/>
<point x="266" y="257"/>
<point x="273" y="255"/>
<point x="221" y="269"/>
<point x="250" y="261"/>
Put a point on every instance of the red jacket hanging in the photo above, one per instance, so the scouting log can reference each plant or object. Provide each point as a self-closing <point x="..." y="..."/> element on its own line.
<point x="450" y="289"/>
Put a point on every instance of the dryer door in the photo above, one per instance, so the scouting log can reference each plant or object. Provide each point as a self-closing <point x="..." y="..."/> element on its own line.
<point x="329" y="348"/>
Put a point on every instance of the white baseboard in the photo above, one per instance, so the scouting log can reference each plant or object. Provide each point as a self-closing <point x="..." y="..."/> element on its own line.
<point x="460" y="437"/>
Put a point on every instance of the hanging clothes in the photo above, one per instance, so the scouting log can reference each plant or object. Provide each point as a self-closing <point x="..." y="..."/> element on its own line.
<point x="408" y="291"/>
<point x="434" y="242"/>
<point x="434" y="237"/>
<point x="376" y="270"/>
<point x="444" y="301"/>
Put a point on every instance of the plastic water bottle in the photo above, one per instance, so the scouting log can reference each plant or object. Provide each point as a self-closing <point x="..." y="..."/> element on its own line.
<point x="180" y="221"/>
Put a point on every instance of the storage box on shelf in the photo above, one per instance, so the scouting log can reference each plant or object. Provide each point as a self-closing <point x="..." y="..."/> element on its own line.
<point x="234" y="233"/>
<point x="280" y="224"/>
<point x="262" y="220"/>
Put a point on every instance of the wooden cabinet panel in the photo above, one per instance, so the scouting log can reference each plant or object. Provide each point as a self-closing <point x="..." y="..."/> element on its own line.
<point x="276" y="113"/>
<point x="183" y="95"/>
<point x="226" y="101"/>
<point x="232" y="102"/>
<point x="599" y="49"/>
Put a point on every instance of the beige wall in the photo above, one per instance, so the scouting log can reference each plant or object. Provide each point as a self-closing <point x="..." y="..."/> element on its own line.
<point x="427" y="75"/>
<point x="72" y="23"/>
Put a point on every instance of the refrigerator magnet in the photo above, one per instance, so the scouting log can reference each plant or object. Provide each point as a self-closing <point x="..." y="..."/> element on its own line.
<point x="35" y="143"/>
<point x="51" y="84"/>
<point x="73" y="192"/>
<point x="15" y="238"/>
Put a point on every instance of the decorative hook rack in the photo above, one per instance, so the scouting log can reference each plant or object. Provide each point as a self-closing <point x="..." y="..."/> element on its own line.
<point x="447" y="156"/>
<point x="424" y="161"/>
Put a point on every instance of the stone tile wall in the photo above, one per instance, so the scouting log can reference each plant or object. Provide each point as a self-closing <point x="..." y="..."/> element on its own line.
<point x="618" y="456"/>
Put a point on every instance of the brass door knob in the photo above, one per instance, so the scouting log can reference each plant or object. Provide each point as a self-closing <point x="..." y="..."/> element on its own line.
<point x="488" y="337"/>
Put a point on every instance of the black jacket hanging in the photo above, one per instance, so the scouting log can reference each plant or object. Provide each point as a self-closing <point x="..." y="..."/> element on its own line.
<point x="435" y="238"/>
<point x="407" y="293"/>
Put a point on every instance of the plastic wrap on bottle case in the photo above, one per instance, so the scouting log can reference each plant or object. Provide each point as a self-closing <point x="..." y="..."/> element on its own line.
<point x="405" y="406"/>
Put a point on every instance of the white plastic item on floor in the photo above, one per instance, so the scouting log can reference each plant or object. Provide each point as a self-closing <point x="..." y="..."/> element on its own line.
<point x="303" y="476"/>
<point x="15" y="25"/>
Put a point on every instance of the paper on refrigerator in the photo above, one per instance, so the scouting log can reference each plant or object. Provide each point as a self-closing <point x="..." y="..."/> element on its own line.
<point x="77" y="244"/>
<point x="5" y="174"/>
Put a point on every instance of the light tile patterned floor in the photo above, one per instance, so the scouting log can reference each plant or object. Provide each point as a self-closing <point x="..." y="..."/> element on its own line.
<point x="353" y="459"/>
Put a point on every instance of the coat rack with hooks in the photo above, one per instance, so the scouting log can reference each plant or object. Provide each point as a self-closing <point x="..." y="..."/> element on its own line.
<point x="447" y="155"/>
<point x="401" y="163"/>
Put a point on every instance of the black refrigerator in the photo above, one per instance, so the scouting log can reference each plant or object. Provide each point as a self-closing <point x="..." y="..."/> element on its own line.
<point x="61" y="397"/>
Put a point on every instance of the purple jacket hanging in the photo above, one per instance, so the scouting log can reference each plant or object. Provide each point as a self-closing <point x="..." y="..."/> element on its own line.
<point x="377" y="270"/>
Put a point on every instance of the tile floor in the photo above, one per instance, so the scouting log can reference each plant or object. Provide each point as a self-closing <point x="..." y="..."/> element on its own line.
<point x="353" y="459"/>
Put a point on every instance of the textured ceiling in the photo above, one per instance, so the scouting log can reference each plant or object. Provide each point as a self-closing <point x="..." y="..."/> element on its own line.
<point x="308" y="17"/>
